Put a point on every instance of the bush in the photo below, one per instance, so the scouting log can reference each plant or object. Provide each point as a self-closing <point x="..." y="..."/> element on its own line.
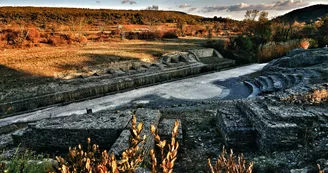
<point x="33" y="35"/>
<point x="170" y="34"/>
<point x="304" y="44"/>
<point x="243" y="43"/>
<point x="83" y="40"/>
<point x="14" y="38"/>
<point x="150" y="35"/>
<point x="272" y="50"/>
<point x="144" y="35"/>
<point x="27" y="162"/>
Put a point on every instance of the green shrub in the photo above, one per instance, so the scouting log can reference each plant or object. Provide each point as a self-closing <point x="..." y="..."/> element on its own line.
<point x="243" y="43"/>
<point x="27" y="162"/>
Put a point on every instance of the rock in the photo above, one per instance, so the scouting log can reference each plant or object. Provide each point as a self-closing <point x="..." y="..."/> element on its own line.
<point x="121" y="143"/>
<point x="147" y="117"/>
<point x="5" y="141"/>
<point x="165" y="129"/>
<point x="304" y="170"/>
<point x="142" y="170"/>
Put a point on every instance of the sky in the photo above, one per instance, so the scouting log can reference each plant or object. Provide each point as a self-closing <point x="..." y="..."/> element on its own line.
<point x="234" y="9"/>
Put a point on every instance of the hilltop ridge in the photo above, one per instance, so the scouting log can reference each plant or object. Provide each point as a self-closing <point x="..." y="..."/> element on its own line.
<point x="307" y="14"/>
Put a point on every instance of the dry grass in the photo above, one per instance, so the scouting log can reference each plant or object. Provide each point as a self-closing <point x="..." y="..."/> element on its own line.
<point x="47" y="61"/>
<point x="316" y="96"/>
<point x="23" y="67"/>
<point x="274" y="50"/>
<point x="227" y="164"/>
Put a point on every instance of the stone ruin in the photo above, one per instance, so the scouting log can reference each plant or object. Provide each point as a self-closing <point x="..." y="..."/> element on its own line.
<point x="170" y="67"/>
<point x="269" y="123"/>
<point x="110" y="130"/>
<point x="265" y="121"/>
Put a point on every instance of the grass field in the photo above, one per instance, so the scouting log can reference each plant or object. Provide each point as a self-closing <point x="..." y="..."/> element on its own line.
<point x="31" y="67"/>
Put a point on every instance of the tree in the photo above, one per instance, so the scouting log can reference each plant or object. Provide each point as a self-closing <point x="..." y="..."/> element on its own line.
<point x="180" y="25"/>
<point x="251" y="14"/>
<point x="263" y="16"/>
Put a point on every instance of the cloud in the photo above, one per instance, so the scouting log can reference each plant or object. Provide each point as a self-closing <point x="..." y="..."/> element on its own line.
<point x="291" y="4"/>
<point x="184" y="6"/>
<point x="128" y="2"/>
<point x="154" y="7"/>
<point x="280" y="5"/>
<point x="192" y="10"/>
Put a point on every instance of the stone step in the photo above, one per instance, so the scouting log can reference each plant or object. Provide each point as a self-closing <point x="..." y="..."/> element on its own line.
<point x="234" y="126"/>
<point x="278" y="83"/>
<point x="254" y="87"/>
<point x="268" y="82"/>
<point x="291" y="80"/>
<point x="262" y="84"/>
<point x="298" y="79"/>
<point x="271" y="132"/>
<point x="293" y="114"/>
<point x="283" y="79"/>
<point x="312" y="74"/>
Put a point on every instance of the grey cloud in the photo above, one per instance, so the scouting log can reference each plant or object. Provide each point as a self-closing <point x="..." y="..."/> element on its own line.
<point x="280" y="5"/>
<point x="154" y="7"/>
<point x="192" y="9"/>
<point x="184" y="6"/>
<point x="287" y="5"/>
<point x="128" y="2"/>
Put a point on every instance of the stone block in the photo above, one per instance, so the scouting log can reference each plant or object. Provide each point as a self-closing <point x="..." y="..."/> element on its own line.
<point x="165" y="130"/>
<point x="234" y="126"/>
<point x="60" y="133"/>
<point x="121" y="143"/>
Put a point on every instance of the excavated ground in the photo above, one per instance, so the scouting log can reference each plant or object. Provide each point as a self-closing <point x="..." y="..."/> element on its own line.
<point x="276" y="134"/>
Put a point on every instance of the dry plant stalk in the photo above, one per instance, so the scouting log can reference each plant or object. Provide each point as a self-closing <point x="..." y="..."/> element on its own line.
<point x="320" y="171"/>
<point x="168" y="159"/>
<point x="93" y="160"/>
<point x="227" y="164"/>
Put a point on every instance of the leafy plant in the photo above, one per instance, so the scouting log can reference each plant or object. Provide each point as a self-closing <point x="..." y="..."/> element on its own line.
<point x="243" y="42"/>
<point x="26" y="162"/>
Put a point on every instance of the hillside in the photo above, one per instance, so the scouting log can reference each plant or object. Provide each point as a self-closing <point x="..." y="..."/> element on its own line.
<point x="42" y="15"/>
<point x="305" y="14"/>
